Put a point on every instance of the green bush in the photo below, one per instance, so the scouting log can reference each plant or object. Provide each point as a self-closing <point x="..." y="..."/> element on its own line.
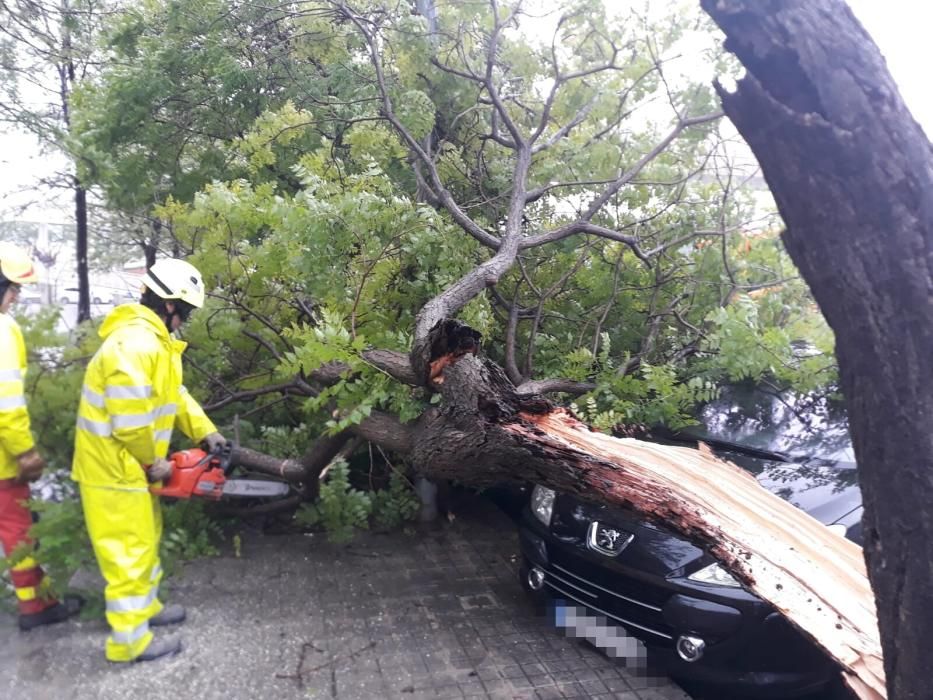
<point x="187" y="533"/>
<point x="396" y="505"/>
<point x="341" y="509"/>
<point x="53" y="383"/>
<point x="283" y="440"/>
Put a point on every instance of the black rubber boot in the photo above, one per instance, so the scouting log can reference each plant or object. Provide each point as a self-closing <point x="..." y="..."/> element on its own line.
<point x="69" y="606"/>
<point x="169" y="615"/>
<point x="159" y="647"/>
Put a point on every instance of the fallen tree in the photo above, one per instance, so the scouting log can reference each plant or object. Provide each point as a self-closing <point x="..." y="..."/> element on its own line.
<point x="486" y="431"/>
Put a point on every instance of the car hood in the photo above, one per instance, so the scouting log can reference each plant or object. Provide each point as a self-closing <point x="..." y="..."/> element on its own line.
<point x="826" y="490"/>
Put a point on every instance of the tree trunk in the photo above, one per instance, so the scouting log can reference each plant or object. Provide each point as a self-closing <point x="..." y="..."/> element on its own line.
<point x="84" y="285"/>
<point x="150" y="252"/>
<point x="486" y="430"/>
<point x="852" y="175"/>
<point x="151" y="246"/>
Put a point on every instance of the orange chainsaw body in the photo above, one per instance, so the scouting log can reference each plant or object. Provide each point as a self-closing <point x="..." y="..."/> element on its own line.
<point x="195" y="473"/>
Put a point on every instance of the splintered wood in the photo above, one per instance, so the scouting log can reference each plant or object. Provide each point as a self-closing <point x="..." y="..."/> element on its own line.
<point x="813" y="576"/>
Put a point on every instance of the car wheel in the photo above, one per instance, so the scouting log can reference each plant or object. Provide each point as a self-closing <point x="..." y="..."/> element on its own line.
<point x="97" y="300"/>
<point x="63" y="301"/>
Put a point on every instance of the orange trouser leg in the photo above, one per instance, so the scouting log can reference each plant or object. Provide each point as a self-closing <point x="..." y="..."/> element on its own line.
<point x="26" y="575"/>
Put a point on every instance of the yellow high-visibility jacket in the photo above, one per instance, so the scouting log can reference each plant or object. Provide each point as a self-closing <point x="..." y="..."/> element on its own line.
<point x="15" y="437"/>
<point x="131" y="399"/>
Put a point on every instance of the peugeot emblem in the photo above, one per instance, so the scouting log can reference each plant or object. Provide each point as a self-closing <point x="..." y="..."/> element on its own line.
<point x="607" y="540"/>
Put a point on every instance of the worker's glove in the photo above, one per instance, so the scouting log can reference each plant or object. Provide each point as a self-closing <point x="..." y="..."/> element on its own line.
<point x="214" y="442"/>
<point x="160" y="470"/>
<point x="29" y="466"/>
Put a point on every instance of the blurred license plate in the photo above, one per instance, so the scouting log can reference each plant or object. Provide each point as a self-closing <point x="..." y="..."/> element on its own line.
<point x="580" y="622"/>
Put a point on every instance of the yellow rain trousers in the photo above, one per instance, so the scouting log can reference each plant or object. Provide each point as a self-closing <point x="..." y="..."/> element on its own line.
<point x="131" y="400"/>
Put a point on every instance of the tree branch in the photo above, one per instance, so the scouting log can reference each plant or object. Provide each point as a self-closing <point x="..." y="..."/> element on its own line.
<point x="632" y="172"/>
<point x="388" y="111"/>
<point x="385" y="430"/>
<point x="511" y="369"/>
<point x="581" y="226"/>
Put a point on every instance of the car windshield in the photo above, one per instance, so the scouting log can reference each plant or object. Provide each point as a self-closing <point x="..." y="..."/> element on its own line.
<point x="799" y="428"/>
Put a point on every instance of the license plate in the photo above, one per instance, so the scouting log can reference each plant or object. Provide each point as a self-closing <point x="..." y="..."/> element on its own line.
<point x="580" y="622"/>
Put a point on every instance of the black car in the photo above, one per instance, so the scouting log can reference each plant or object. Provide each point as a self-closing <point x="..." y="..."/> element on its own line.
<point x="695" y="620"/>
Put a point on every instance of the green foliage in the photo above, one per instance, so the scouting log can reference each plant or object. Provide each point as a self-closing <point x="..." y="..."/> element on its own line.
<point x="396" y="505"/>
<point x="655" y="396"/>
<point x="272" y="130"/>
<point x="187" y="533"/>
<point x="341" y="509"/>
<point x="284" y="441"/>
<point x="416" y="112"/>
<point x="268" y="156"/>
<point x="748" y="348"/>
<point x="53" y="383"/>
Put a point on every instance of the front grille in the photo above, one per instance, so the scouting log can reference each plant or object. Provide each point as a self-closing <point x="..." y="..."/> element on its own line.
<point x="634" y="605"/>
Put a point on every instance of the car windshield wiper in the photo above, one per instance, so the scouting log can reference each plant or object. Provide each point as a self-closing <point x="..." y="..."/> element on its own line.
<point x="773" y="455"/>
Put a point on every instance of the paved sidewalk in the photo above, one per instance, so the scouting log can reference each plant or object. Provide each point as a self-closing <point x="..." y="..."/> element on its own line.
<point x="437" y="614"/>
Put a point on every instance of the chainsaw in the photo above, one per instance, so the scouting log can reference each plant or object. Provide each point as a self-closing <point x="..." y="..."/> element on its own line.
<point x="201" y="474"/>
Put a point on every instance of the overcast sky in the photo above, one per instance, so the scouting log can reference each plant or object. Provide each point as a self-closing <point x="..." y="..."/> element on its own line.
<point x="901" y="28"/>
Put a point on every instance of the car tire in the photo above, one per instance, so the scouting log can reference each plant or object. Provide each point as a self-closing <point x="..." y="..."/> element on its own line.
<point x="63" y="301"/>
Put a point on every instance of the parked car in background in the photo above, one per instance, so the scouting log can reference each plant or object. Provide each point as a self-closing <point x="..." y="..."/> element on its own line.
<point x="30" y="297"/>
<point x="125" y="296"/>
<point x="695" y="620"/>
<point x="69" y="295"/>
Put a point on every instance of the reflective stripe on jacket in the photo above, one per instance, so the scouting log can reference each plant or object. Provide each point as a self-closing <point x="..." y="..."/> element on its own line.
<point x="131" y="399"/>
<point x="15" y="437"/>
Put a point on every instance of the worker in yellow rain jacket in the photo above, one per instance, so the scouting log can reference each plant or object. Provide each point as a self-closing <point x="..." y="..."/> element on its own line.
<point x="131" y="400"/>
<point x="20" y="461"/>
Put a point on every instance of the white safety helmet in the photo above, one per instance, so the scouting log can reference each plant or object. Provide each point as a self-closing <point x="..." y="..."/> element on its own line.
<point x="15" y="265"/>
<point x="176" y="279"/>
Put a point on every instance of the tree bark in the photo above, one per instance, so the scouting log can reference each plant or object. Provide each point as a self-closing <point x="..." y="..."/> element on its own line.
<point x="84" y="285"/>
<point x="852" y="175"/>
<point x="151" y="245"/>
<point x="285" y="469"/>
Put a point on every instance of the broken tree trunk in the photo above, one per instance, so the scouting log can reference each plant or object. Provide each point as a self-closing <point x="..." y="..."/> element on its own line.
<point x="814" y="577"/>
<point x="852" y="174"/>
<point x="486" y="430"/>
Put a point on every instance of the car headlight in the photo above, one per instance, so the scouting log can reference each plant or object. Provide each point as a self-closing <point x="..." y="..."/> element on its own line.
<point x="542" y="503"/>
<point x="715" y="574"/>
